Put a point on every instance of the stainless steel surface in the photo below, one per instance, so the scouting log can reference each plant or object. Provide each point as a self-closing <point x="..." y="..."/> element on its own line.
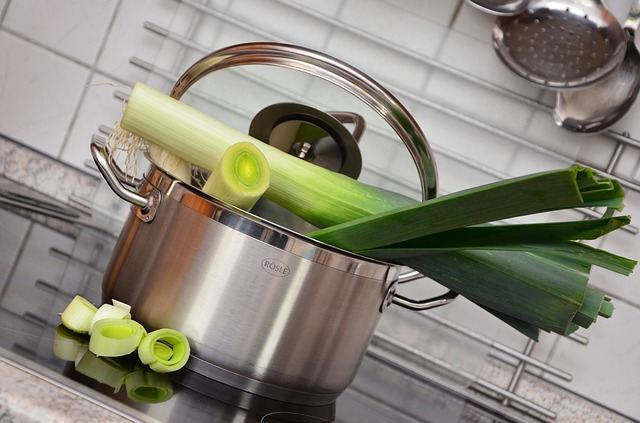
<point x="519" y="138"/>
<point x="500" y="7"/>
<point x="342" y="75"/>
<point x="421" y="305"/>
<point x="305" y="312"/>
<point x="561" y="44"/>
<point x="595" y="108"/>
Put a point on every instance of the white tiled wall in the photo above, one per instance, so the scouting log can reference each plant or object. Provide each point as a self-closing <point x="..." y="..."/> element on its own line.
<point x="60" y="61"/>
<point x="128" y="37"/>
<point x="98" y="103"/>
<point x="75" y="28"/>
<point x="40" y="93"/>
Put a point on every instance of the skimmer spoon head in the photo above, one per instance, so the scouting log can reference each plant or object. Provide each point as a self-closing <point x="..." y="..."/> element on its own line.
<point x="561" y="44"/>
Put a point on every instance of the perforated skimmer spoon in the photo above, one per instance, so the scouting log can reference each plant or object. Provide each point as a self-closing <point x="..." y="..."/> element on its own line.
<point x="500" y="7"/>
<point x="561" y="44"/>
<point x="599" y="106"/>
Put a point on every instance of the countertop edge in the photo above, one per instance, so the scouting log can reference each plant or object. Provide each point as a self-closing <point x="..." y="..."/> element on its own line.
<point x="21" y="376"/>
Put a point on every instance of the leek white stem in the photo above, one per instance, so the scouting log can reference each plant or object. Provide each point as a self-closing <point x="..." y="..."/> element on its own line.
<point x="318" y="195"/>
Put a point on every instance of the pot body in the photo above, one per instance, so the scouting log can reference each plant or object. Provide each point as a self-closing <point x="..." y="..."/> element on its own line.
<point x="266" y="310"/>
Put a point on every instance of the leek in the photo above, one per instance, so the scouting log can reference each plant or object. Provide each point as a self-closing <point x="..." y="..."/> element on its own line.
<point x="529" y="276"/>
<point x="241" y="176"/>
<point x="164" y="350"/>
<point x="78" y="314"/>
<point x="318" y="195"/>
<point x="541" y="192"/>
<point x="115" y="337"/>
<point x="494" y="235"/>
<point x="519" y="284"/>
<point x="565" y="252"/>
<point x="108" y="311"/>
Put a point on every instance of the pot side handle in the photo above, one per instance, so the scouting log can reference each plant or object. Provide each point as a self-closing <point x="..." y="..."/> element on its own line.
<point x="147" y="205"/>
<point x="392" y="295"/>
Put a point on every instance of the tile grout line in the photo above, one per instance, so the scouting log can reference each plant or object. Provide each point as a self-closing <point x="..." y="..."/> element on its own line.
<point x="44" y="47"/>
<point x="61" y="54"/>
<point x="194" y="23"/>
<point x="92" y="71"/>
<point x="456" y="13"/>
<point x="325" y="45"/>
<point x="14" y="265"/>
<point x="443" y="42"/>
<point x="4" y="11"/>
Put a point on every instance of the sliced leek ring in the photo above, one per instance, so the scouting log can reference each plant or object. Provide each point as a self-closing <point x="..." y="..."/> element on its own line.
<point x="145" y="386"/>
<point x="153" y="350"/>
<point x="120" y="304"/>
<point x="78" y="315"/>
<point x="108" y="311"/>
<point x="115" y="337"/>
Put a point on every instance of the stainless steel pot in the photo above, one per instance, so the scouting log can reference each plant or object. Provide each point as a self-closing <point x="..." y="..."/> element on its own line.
<point x="267" y="310"/>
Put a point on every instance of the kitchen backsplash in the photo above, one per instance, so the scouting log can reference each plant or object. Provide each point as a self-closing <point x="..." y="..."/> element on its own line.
<point x="62" y="60"/>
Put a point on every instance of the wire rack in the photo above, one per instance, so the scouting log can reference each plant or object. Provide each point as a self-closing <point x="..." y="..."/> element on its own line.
<point x="385" y="348"/>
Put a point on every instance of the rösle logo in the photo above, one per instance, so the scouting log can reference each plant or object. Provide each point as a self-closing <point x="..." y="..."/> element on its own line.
<point x="275" y="267"/>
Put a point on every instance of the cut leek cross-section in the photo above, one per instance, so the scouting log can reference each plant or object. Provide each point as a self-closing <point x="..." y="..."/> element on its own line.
<point x="241" y="177"/>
